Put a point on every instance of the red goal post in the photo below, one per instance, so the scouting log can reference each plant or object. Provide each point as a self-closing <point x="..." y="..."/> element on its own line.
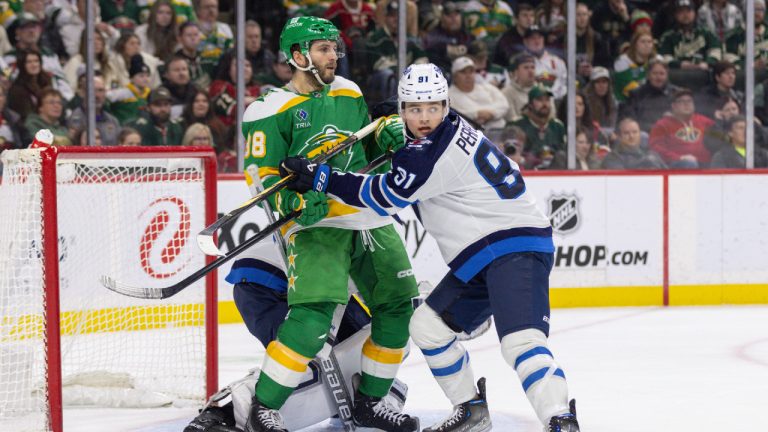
<point x="69" y="215"/>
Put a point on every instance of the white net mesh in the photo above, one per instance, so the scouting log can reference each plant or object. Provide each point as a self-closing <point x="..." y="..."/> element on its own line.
<point x="132" y="219"/>
<point x="23" y="395"/>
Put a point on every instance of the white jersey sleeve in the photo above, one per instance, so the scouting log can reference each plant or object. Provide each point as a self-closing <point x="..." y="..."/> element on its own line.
<point x="469" y="196"/>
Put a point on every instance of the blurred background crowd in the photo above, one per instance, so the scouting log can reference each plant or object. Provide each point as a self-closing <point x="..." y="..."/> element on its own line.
<point x="660" y="83"/>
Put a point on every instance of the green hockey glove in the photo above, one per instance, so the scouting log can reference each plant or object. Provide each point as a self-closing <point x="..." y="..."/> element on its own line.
<point x="389" y="134"/>
<point x="313" y="205"/>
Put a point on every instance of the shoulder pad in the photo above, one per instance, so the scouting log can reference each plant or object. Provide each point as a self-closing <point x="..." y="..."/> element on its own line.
<point x="274" y="102"/>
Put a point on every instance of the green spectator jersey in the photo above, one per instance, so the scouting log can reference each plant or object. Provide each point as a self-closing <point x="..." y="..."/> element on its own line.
<point x="152" y="135"/>
<point x="382" y="51"/>
<point x="697" y="46"/>
<point x="111" y="10"/>
<point x="128" y="102"/>
<point x="736" y="45"/>
<point x="284" y="123"/>
<point x="485" y="22"/>
<point x="8" y="10"/>
<point x="552" y="135"/>
<point x="183" y="8"/>
<point x="213" y="46"/>
<point x="627" y="76"/>
<point x="306" y="7"/>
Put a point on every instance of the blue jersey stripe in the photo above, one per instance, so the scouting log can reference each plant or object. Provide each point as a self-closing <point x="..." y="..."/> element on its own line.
<point x="391" y="196"/>
<point x="436" y="351"/>
<point x="365" y="194"/>
<point x="376" y="192"/>
<point x="539" y="374"/>
<point x="530" y="353"/>
<point x="468" y="269"/>
<point x="452" y="369"/>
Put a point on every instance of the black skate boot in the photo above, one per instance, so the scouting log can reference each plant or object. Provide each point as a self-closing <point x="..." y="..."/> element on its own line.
<point x="565" y="422"/>
<point x="263" y="419"/>
<point x="214" y="419"/>
<point x="371" y="412"/>
<point x="471" y="416"/>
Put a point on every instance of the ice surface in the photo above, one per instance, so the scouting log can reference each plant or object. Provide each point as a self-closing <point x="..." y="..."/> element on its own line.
<point x="630" y="369"/>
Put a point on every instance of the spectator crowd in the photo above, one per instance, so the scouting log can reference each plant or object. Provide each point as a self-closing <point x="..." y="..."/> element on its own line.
<point x="659" y="83"/>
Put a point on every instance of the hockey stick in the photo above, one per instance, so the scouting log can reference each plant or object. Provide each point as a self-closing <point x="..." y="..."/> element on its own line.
<point x="205" y="237"/>
<point x="169" y="291"/>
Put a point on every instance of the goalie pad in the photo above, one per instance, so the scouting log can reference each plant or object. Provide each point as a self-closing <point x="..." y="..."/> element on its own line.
<point x="311" y="402"/>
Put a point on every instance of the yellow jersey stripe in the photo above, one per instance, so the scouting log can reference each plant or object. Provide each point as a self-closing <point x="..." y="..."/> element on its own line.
<point x="382" y="354"/>
<point x="292" y="103"/>
<point x="344" y="92"/>
<point x="287" y="357"/>
<point x="267" y="171"/>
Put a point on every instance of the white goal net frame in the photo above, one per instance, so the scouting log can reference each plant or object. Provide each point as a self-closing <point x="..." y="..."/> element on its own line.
<point x="68" y="215"/>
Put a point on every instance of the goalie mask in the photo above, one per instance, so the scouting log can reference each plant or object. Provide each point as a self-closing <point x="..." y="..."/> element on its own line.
<point x="302" y="31"/>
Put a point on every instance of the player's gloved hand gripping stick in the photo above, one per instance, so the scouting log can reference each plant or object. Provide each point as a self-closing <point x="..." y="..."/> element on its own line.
<point x="165" y="292"/>
<point x="205" y="238"/>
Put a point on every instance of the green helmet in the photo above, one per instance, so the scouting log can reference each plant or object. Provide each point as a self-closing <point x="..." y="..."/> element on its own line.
<point x="303" y="30"/>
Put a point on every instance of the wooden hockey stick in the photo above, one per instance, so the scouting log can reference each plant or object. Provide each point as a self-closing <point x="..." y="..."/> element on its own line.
<point x="205" y="237"/>
<point x="169" y="291"/>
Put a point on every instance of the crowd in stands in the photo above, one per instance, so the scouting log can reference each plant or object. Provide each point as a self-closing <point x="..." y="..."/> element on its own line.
<point x="659" y="83"/>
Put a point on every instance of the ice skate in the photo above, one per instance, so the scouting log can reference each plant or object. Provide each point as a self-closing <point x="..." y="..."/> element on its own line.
<point x="470" y="416"/>
<point x="263" y="419"/>
<point x="565" y="422"/>
<point x="375" y="413"/>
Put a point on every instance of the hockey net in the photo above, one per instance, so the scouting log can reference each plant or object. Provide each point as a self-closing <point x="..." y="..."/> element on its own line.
<point x="70" y="215"/>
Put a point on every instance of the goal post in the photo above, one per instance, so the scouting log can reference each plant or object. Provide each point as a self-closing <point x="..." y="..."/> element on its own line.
<point x="69" y="215"/>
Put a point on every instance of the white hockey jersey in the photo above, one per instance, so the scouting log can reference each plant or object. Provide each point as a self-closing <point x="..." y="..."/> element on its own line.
<point x="467" y="194"/>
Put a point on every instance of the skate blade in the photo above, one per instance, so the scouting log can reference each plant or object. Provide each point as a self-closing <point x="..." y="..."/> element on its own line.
<point x="367" y="429"/>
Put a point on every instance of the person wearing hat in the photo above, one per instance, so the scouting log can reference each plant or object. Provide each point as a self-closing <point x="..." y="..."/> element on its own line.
<point x="488" y="19"/>
<point x="127" y="102"/>
<point x="449" y="40"/>
<point x="736" y="41"/>
<point x="599" y="96"/>
<point x="551" y="70"/>
<point x="156" y="126"/>
<point x="522" y="72"/>
<point x="612" y="19"/>
<point x="688" y="46"/>
<point x="27" y="30"/>
<point x="511" y="41"/>
<point x="385" y="7"/>
<point x="478" y="101"/>
<point x="546" y="135"/>
<point x="720" y="17"/>
<point x="679" y="137"/>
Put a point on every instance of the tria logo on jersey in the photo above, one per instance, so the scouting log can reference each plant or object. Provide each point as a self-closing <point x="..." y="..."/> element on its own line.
<point x="564" y="213"/>
<point x="301" y="119"/>
<point x="165" y="237"/>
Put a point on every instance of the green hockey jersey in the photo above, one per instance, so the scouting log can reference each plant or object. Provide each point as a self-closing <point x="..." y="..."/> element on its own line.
<point x="697" y="46"/>
<point x="736" y="45"/>
<point x="283" y="123"/>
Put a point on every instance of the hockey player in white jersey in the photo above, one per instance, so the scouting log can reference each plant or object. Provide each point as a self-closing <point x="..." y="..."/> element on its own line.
<point x="472" y="199"/>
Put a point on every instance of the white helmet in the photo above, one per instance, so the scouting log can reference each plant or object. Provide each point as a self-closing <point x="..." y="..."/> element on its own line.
<point x="422" y="83"/>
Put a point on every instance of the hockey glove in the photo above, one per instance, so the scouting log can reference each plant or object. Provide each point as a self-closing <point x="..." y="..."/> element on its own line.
<point x="309" y="176"/>
<point x="313" y="206"/>
<point x="389" y="134"/>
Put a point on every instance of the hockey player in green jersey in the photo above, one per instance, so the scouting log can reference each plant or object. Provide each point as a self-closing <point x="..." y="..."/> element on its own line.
<point x="308" y="116"/>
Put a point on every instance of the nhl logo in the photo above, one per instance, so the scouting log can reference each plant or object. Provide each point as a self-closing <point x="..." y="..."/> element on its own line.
<point x="564" y="213"/>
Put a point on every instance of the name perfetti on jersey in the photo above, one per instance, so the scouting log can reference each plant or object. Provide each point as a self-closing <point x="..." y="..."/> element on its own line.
<point x="468" y="195"/>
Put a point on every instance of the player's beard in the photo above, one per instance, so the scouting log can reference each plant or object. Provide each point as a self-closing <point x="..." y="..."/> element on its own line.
<point x="327" y="75"/>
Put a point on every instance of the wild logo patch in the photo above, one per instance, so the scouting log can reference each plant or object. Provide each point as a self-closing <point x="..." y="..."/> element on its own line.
<point x="564" y="213"/>
<point x="324" y="140"/>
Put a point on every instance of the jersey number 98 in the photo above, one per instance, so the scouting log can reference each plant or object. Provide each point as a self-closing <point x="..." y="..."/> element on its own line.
<point x="256" y="145"/>
<point x="497" y="170"/>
